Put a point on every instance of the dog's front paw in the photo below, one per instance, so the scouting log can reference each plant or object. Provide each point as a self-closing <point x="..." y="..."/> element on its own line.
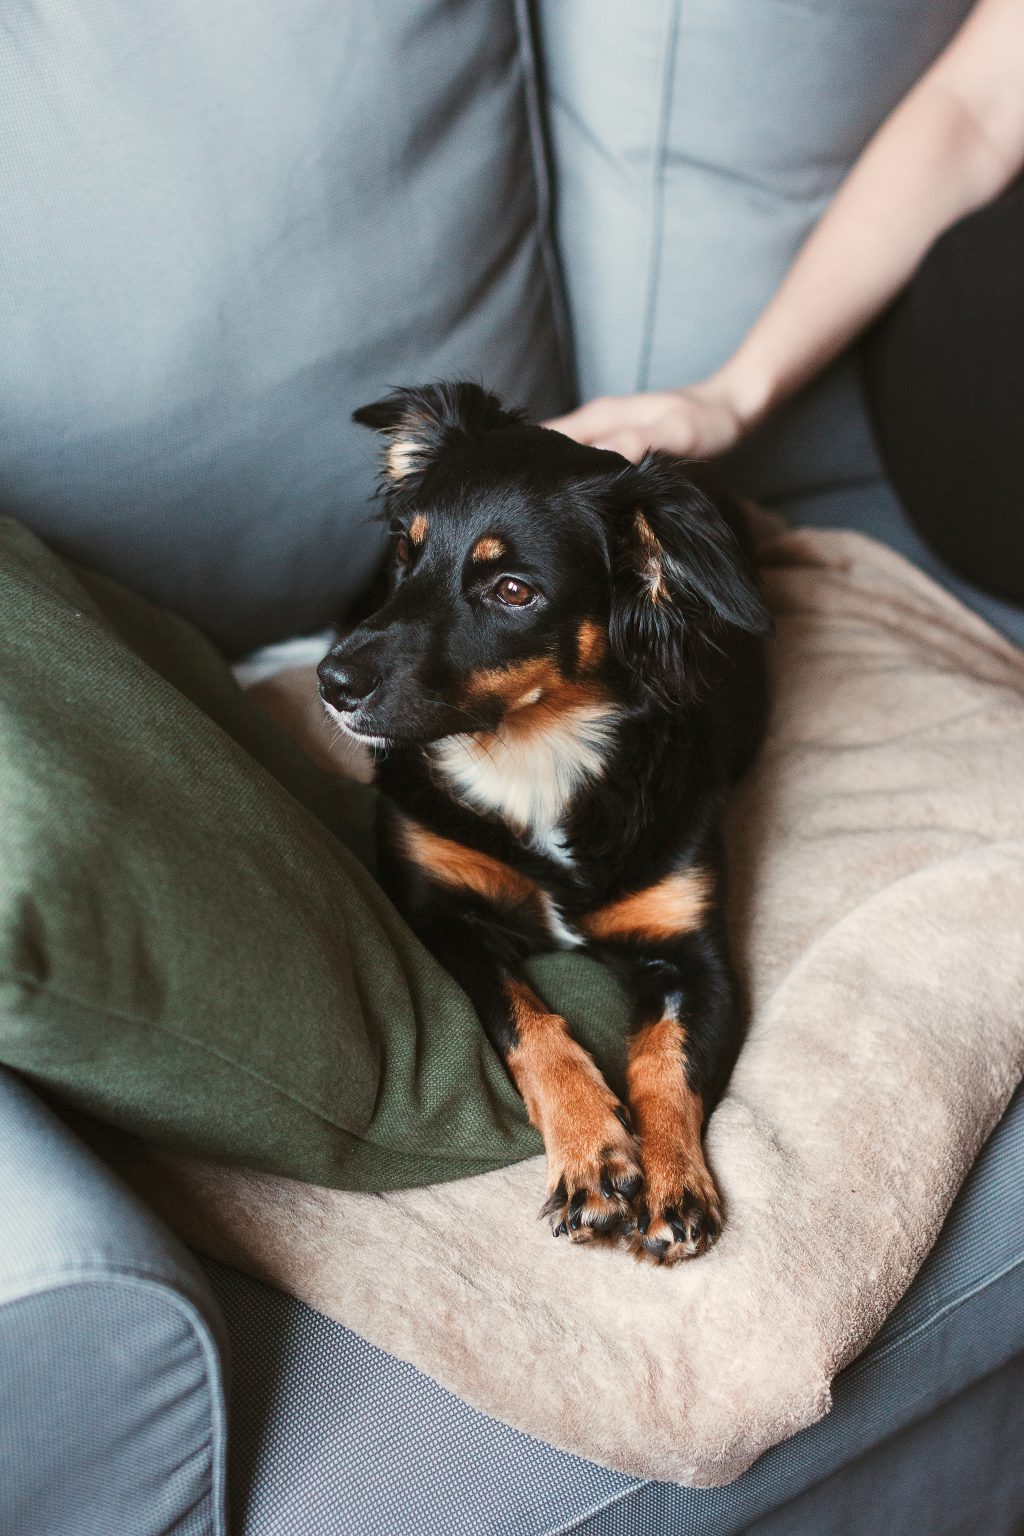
<point x="680" y="1216"/>
<point x="595" y="1178"/>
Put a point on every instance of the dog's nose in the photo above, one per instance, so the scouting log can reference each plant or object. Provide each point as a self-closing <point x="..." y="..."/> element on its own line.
<point x="344" y="685"/>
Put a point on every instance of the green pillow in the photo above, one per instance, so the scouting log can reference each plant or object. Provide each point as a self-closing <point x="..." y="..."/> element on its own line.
<point x="192" y="945"/>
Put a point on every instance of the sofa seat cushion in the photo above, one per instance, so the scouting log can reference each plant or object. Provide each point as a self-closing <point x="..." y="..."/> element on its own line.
<point x="877" y="875"/>
<point x="330" y="1433"/>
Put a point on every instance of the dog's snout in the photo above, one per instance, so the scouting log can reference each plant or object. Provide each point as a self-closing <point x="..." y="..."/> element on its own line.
<point x="344" y="683"/>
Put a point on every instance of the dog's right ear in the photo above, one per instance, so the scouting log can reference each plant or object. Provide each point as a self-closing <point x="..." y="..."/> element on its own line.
<point x="419" y="423"/>
<point x="679" y="581"/>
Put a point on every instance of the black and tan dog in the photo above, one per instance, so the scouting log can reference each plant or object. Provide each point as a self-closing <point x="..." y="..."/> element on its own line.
<point x="563" y="679"/>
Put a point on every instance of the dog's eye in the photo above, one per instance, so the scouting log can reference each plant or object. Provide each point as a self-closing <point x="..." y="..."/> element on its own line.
<point x="402" y="550"/>
<point x="513" y="593"/>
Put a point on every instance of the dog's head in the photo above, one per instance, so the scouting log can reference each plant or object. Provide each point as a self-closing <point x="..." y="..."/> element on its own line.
<point x="530" y="575"/>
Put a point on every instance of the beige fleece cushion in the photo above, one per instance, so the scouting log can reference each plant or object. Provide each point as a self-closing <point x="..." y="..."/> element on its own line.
<point x="877" y="854"/>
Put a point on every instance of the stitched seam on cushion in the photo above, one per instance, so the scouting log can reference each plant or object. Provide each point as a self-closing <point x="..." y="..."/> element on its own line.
<point x="599" y="1509"/>
<point x="31" y="984"/>
<point x="71" y="1272"/>
<point x="865" y="1361"/>
<point x="654" y="255"/>
<point x="539" y="153"/>
<point x="216" y="1440"/>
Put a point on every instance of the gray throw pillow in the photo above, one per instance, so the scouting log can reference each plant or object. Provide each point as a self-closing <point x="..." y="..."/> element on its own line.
<point x="225" y="227"/>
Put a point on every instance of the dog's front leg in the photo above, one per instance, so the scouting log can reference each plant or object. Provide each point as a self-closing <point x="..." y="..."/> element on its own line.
<point x="595" y="1177"/>
<point x="683" y="1040"/>
<point x="594" y="1171"/>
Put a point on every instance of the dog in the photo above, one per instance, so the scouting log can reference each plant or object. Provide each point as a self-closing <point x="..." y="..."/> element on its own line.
<point x="564" y="678"/>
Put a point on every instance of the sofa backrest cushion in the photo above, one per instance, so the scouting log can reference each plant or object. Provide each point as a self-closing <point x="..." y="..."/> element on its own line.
<point x="222" y="230"/>
<point x="696" y="142"/>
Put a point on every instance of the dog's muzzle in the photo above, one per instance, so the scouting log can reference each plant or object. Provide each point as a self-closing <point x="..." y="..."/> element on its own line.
<point x="344" y="684"/>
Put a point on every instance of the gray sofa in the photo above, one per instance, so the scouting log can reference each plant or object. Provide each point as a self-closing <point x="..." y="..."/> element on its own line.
<point x="223" y="228"/>
<point x="140" y="1387"/>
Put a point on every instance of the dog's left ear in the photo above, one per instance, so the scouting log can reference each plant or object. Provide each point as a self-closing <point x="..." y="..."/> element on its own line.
<point x="680" y="581"/>
<point x="419" y="423"/>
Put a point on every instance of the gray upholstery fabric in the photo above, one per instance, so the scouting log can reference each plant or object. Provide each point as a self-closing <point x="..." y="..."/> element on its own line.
<point x="958" y="1472"/>
<point x="111" y="1398"/>
<point x="695" y="144"/>
<point x="225" y="227"/>
<point x="331" y="1436"/>
<point x="873" y="509"/>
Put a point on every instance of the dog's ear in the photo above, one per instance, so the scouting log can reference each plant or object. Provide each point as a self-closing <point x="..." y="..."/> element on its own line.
<point x="419" y="423"/>
<point x="679" y="581"/>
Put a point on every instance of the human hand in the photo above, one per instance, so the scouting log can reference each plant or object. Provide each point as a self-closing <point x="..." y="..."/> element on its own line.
<point x="696" y="423"/>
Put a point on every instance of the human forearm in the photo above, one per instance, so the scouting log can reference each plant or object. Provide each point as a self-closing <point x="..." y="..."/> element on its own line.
<point x="943" y="153"/>
<point x="953" y="144"/>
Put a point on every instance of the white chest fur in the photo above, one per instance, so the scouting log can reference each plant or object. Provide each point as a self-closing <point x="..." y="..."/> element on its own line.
<point x="530" y="777"/>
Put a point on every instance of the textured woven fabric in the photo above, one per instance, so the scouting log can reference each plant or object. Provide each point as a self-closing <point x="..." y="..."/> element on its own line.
<point x="956" y="1473"/>
<point x="331" y="1436"/>
<point x="111" y="1404"/>
<point x="105" y="1410"/>
<point x="265" y="1005"/>
<point x="959" y="1472"/>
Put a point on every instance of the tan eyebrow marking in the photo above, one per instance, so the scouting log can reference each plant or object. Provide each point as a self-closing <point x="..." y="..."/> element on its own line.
<point x="675" y="905"/>
<point x="418" y="528"/>
<point x="488" y="548"/>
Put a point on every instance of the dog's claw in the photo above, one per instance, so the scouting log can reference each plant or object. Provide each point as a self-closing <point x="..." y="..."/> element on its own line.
<point x="622" y="1115"/>
<point x="668" y="1231"/>
<point x="594" y="1199"/>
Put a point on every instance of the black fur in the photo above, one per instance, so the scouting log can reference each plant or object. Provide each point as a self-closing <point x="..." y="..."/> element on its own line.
<point x="634" y="553"/>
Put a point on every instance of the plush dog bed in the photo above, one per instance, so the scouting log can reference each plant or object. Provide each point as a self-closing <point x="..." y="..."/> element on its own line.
<point x="877" y="859"/>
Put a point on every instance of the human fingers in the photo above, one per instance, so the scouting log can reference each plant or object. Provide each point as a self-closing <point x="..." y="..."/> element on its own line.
<point x="589" y="422"/>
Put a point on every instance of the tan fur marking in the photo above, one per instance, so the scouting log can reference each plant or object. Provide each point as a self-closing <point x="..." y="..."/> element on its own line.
<point x="488" y="548"/>
<point x="565" y="1095"/>
<point x="668" y="1114"/>
<point x="653" y="552"/>
<point x="645" y="533"/>
<point x="592" y="642"/>
<point x="418" y="528"/>
<point x="466" y="868"/>
<point x="552" y="735"/>
<point x="548" y="1066"/>
<point x="510" y="683"/>
<point x="534" y="692"/>
<point x="675" y="905"/>
<point x="669" y="1118"/>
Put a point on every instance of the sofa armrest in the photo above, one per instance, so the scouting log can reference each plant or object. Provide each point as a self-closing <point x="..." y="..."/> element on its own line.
<point x="111" y="1389"/>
